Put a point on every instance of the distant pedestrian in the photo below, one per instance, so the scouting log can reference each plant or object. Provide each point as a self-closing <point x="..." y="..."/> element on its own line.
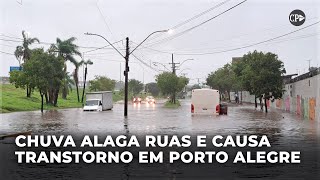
<point x="236" y="98"/>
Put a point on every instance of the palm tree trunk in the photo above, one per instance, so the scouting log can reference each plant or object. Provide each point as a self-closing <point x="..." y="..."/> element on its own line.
<point x="46" y="96"/>
<point x="56" y="95"/>
<point x="27" y="90"/>
<point x="41" y="101"/>
<point x="64" y="91"/>
<point x="84" y="84"/>
<point x="78" y="92"/>
<point x="30" y="90"/>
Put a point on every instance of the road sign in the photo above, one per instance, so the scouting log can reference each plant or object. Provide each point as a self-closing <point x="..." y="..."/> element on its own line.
<point x="15" y="68"/>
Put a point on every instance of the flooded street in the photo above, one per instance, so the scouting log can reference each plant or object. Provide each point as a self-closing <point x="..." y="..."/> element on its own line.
<point x="284" y="130"/>
<point x="155" y="119"/>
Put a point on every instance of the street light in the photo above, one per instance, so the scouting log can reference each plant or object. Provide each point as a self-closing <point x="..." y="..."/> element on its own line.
<point x="126" y="57"/>
<point x="167" y="30"/>
<point x="185" y="61"/>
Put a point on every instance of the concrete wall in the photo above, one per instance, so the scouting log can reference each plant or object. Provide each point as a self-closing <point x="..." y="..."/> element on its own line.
<point x="301" y="97"/>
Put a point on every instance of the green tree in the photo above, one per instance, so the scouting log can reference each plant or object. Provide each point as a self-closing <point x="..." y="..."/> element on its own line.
<point x="153" y="88"/>
<point x="170" y="84"/>
<point x="261" y="75"/>
<point x="67" y="83"/>
<point x="135" y="86"/>
<point x="102" y="83"/>
<point x="23" y="53"/>
<point x="44" y="71"/>
<point x="222" y="79"/>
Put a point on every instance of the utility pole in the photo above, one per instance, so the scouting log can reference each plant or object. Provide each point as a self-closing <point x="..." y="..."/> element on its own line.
<point x="126" y="57"/>
<point x="120" y="73"/>
<point x="173" y="65"/>
<point x="126" y="73"/>
<point x="174" y="72"/>
<point x="309" y="63"/>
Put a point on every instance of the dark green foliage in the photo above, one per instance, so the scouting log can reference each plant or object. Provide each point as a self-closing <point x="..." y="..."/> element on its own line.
<point x="102" y="83"/>
<point x="152" y="88"/>
<point x="135" y="86"/>
<point x="170" y="84"/>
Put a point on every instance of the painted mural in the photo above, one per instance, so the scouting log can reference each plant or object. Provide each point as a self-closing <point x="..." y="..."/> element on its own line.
<point x="303" y="106"/>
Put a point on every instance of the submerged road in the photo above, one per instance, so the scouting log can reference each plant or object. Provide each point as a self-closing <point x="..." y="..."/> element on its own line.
<point x="285" y="131"/>
<point x="155" y="119"/>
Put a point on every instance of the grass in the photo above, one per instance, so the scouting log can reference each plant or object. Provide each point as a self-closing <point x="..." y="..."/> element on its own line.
<point x="117" y="96"/>
<point x="14" y="99"/>
<point x="169" y="104"/>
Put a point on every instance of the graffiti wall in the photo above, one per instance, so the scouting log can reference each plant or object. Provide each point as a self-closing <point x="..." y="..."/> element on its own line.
<point x="301" y="97"/>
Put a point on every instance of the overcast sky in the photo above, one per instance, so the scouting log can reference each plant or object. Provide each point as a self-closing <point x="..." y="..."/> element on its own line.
<point x="248" y="23"/>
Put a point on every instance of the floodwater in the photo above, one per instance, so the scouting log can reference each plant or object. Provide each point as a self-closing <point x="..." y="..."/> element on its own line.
<point x="155" y="119"/>
<point x="284" y="130"/>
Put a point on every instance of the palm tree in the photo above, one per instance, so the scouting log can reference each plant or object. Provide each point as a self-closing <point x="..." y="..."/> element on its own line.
<point x="23" y="53"/>
<point x="86" y="63"/>
<point x="75" y="74"/>
<point x="65" y="49"/>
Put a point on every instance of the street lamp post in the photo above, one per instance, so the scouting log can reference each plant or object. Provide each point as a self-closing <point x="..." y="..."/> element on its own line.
<point x="126" y="57"/>
<point x="185" y="61"/>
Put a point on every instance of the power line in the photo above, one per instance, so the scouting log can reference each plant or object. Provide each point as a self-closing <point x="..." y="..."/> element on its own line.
<point x="195" y="17"/>
<point x="12" y="37"/>
<point x="7" y="45"/>
<point x="253" y="44"/>
<point x="103" y="47"/>
<point x="245" y="46"/>
<point x="104" y="20"/>
<point x="48" y="43"/>
<point x="274" y="42"/>
<point x="224" y="40"/>
<point x="6" y="53"/>
<point x="144" y="63"/>
<point x="198" y="25"/>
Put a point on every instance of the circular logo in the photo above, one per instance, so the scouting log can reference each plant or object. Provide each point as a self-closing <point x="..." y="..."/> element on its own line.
<point x="297" y="17"/>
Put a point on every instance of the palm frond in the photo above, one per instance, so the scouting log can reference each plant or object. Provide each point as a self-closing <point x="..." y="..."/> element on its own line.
<point x="33" y="40"/>
<point x="72" y="60"/>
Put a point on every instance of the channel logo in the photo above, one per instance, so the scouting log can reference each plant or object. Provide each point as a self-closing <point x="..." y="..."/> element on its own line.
<point x="297" y="17"/>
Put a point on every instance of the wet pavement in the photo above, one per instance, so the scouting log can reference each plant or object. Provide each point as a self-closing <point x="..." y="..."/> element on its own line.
<point x="284" y="130"/>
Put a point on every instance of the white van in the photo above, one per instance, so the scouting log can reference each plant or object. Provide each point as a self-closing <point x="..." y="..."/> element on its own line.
<point x="205" y="101"/>
<point x="98" y="101"/>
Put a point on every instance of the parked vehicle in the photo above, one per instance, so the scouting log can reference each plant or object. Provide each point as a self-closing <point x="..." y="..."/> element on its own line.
<point x="205" y="101"/>
<point x="136" y="100"/>
<point x="150" y="99"/>
<point x="98" y="101"/>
